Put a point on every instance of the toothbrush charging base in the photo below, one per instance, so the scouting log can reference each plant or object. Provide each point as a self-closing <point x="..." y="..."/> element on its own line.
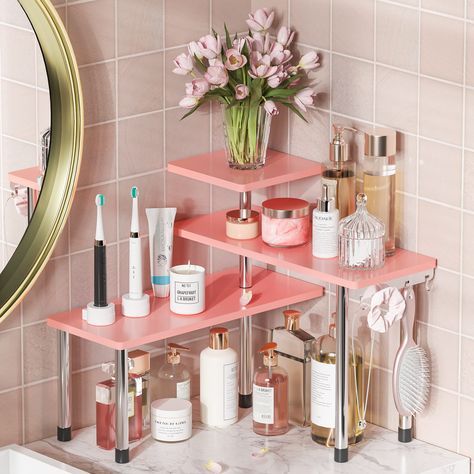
<point x="99" y="315"/>
<point x="135" y="307"/>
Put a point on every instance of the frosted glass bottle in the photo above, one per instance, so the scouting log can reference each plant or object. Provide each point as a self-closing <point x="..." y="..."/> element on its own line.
<point x="219" y="380"/>
<point x="174" y="378"/>
<point x="270" y="395"/>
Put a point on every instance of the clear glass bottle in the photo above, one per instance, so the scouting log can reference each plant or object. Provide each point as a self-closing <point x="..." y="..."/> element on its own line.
<point x="294" y="350"/>
<point x="140" y="372"/>
<point x="270" y="395"/>
<point x="174" y="379"/>
<point x="105" y="409"/>
<point x="361" y="239"/>
<point x="380" y="171"/>
<point x="323" y="389"/>
<point x="340" y="173"/>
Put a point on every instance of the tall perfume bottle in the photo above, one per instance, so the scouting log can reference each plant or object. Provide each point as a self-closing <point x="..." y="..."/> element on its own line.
<point x="105" y="393"/>
<point x="140" y="372"/>
<point x="340" y="173"/>
<point x="380" y="171"/>
<point x="323" y="390"/>
<point x="294" y="350"/>
<point x="270" y="395"/>
<point x="174" y="378"/>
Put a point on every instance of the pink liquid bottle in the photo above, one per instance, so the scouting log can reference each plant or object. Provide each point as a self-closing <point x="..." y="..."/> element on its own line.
<point x="270" y="395"/>
<point x="105" y="409"/>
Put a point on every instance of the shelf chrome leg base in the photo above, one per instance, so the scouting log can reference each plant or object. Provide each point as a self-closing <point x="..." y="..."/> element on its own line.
<point x="246" y="363"/>
<point x="121" y="408"/>
<point x="341" y="453"/>
<point x="122" y="456"/>
<point x="64" y="387"/>
<point x="245" y="401"/>
<point x="405" y="429"/>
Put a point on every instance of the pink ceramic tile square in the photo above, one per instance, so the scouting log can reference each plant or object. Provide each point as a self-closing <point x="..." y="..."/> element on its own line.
<point x="469" y="131"/>
<point x="232" y="13"/>
<point x="50" y="294"/>
<point x="98" y="156"/>
<point x="470" y="54"/>
<point x="466" y="408"/>
<point x="83" y="216"/>
<point x="353" y="27"/>
<point x="222" y="260"/>
<point x="39" y="352"/>
<point x="140" y="84"/>
<point x="442" y="47"/>
<point x="223" y="199"/>
<point x="139" y="26"/>
<point x="98" y="88"/>
<point x="440" y="111"/>
<point x="467" y="366"/>
<point x="10" y="353"/>
<point x="407" y="163"/>
<point x="91" y="27"/>
<point x="397" y="36"/>
<point x="432" y="172"/>
<point x="315" y="32"/>
<point x="11" y="412"/>
<point x="468" y="254"/>
<point x="352" y="87"/>
<point x="140" y="147"/>
<point x="439" y="233"/>
<point x="453" y="7"/>
<point x="470" y="9"/>
<point x="185" y="251"/>
<point x="405" y="221"/>
<point x="12" y="321"/>
<point x="467" y="321"/>
<point x="185" y="21"/>
<point x="88" y="354"/>
<point x="396" y="99"/>
<point x="12" y="14"/>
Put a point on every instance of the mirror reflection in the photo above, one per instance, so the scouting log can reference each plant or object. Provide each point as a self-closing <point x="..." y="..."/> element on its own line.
<point x="24" y="125"/>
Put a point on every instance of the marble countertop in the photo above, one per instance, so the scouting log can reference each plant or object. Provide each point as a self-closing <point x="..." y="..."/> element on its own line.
<point x="240" y="451"/>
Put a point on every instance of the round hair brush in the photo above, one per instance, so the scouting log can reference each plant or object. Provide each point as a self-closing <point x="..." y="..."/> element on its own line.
<point x="411" y="372"/>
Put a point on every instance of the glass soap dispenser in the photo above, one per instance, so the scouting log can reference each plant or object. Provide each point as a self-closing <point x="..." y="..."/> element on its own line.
<point x="294" y="350"/>
<point x="340" y="173"/>
<point x="174" y="378"/>
<point x="270" y="395"/>
<point x="323" y="389"/>
<point x="140" y="372"/>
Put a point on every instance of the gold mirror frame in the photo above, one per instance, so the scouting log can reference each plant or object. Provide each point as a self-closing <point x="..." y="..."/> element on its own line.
<point x="60" y="180"/>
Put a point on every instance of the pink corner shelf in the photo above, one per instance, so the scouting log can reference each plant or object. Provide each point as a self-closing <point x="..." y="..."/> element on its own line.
<point x="210" y="230"/>
<point x="212" y="168"/>
<point x="271" y="290"/>
<point x="26" y="177"/>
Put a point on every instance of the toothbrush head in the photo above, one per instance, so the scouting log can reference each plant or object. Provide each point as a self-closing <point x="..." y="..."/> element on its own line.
<point x="99" y="200"/>
<point x="134" y="192"/>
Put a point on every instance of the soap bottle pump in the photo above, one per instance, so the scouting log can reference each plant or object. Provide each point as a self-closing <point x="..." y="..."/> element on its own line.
<point x="270" y="395"/>
<point x="340" y="172"/>
<point x="325" y="227"/>
<point x="174" y="378"/>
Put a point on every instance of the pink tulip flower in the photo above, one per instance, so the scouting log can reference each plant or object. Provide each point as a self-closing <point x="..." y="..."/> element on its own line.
<point x="217" y="75"/>
<point x="309" y="61"/>
<point x="210" y="46"/>
<point x="277" y="79"/>
<point x="271" y="108"/>
<point x="197" y="87"/>
<point x="304" y="98"/>
<point x="188" y="102"/>
<point x="259" y="42"/>
<point x="194" y="49"/>
<point x="285" y="36"/>
<point x="184" y="64"/>
<point x="261" y="20"/>
<point x="241" y="91"/>
<point x="279" y="55"/>
<point x="260" y="65"/>
<point x="235" y="60"/>
<point x="238" y="44"/>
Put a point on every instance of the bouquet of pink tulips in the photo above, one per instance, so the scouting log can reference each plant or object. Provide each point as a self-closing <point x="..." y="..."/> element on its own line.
<point x="249" y="76"/>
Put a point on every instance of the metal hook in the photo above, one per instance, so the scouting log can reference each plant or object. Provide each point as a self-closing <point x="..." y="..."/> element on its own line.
<point x="429" y="281"/>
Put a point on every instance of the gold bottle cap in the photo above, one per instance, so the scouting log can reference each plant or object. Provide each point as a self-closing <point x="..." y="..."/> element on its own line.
<point x="174" y="357"/>
<point x="292" y="319"/>
<point x="380" y="142"/>
<point x="219" y="338"/>
<point x="140" y="362"/>
<point x="270" y="359"/>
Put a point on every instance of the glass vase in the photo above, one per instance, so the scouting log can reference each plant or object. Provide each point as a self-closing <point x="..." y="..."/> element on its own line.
<point x="246" y="133"/>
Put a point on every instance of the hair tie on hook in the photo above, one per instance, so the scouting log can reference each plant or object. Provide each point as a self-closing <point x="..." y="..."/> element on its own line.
<point x="386" y="307"/>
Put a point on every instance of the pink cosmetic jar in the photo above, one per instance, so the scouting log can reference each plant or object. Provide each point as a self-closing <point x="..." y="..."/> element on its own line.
<point x="285" y="222"/>
<point x="242" y="228"/>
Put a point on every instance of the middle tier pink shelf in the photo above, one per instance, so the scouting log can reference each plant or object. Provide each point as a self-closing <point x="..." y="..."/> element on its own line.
<point x="270" y="290"/>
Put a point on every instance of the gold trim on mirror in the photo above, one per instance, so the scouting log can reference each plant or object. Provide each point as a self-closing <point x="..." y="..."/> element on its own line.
<point x="60" y="179"/>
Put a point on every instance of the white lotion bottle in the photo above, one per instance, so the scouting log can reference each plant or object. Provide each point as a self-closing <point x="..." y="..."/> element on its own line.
<point x="219" y="381"/>
<point x="325" y="227"/>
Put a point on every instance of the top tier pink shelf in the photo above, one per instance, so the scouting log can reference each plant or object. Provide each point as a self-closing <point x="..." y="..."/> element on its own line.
<point x="210" y="230"/>
<point x="26" y="177"/>
<point x="212" y="168"/>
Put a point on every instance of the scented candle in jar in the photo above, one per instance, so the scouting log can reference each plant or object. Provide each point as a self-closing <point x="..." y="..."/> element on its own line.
<point x="285" y="222"/>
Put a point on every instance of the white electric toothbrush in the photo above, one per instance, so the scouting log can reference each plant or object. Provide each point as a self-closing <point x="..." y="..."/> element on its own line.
<point x="135" y="303"/>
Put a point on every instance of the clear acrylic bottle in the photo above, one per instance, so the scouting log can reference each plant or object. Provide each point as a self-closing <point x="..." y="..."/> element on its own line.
<point x="323" y="389"/>
<point x="140" y="372"/>
<point x="105" y="409"/>
<point x="340" y="173"/>
<point x="270" y="395"/>
<point x="380" y="171"/>
<point x="173" y="379"/>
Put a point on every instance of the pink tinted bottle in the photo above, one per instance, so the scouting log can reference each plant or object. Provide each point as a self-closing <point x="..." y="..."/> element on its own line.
<point x="270" y="395"/>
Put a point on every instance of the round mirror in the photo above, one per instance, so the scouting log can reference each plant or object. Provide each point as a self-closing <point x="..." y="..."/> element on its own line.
<point x="41" y="130"/>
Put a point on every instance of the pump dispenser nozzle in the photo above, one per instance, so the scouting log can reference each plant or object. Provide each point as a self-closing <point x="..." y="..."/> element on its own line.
<point x="338" y="148"/>
<point x="292" y="319"/>
<point x="270" y="359"/>
<point x="174" y="357"/>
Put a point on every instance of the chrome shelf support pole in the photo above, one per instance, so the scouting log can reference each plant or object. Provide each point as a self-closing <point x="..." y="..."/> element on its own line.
<point x="64" y="387"/>
<point x="122" y="455"/>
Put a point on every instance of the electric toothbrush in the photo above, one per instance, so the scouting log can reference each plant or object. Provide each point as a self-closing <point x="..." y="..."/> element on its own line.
<point x="135" y="303"/>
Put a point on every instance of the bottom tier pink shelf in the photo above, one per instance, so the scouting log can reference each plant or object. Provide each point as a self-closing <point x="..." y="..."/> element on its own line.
<point x="271" y="290"/>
